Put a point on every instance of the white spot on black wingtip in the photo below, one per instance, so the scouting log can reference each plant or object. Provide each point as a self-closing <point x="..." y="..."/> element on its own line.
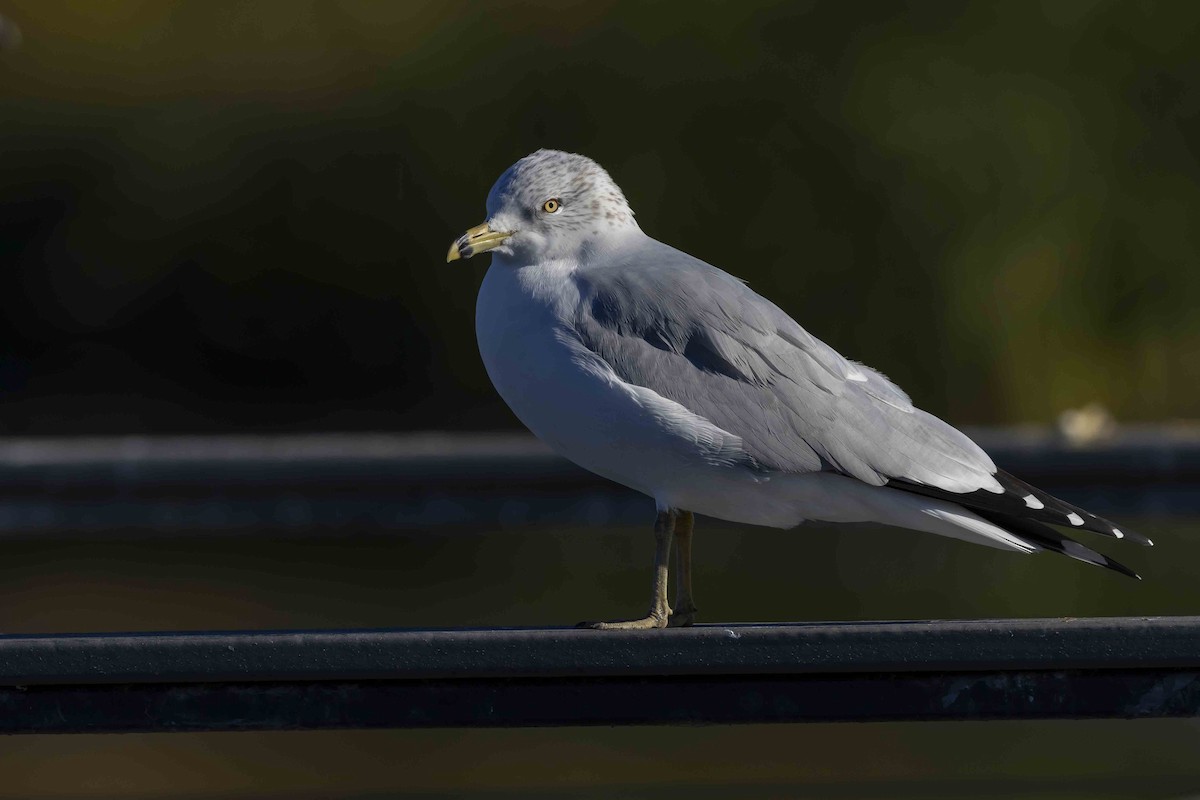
<point x="1117" y="533"/>
<point x="1033" y="502"/>
<point x="1074" y="519"/>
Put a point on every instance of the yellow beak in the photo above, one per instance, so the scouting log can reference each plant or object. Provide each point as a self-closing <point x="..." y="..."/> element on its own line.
<point x="478" y="240"/>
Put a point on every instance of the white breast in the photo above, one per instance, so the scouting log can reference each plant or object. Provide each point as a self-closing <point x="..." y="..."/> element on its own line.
<point x="575" y="403"/>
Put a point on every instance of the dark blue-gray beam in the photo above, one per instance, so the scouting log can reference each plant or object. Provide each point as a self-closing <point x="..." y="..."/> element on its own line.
<point x="1000" y="669"/>
<point x="310" y="484"/>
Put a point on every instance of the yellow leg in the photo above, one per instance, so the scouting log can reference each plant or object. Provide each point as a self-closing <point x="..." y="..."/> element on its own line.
<point x="660" y="612"/>
<point x="685" y="609"/>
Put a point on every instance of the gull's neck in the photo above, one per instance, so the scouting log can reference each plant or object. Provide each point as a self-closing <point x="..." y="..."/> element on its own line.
<point x="611" y="245"/>
<point x="551" y="280"/>
<point x="601" y="249"/>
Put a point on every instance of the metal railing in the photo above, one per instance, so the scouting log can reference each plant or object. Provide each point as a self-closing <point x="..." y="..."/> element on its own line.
<point x="998" y="669"/>
<point x="1002" y="669"/>
<point x="189" y="484"/>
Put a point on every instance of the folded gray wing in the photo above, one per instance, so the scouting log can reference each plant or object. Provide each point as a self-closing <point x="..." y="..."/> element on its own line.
<point x="682" y="328"/>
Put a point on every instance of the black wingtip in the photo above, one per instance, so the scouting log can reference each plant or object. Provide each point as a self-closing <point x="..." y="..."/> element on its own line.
<point x="1128" y="535"/>
<point x="1020" y="500"/>
<point x="1047" y="538"/>
<point x="1116" y="566"/>
<point x="1099" y="560"/>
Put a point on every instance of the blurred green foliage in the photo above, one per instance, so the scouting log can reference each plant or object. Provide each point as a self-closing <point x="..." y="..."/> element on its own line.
<point x="219" y="215"/>
<point x="234" y="215"/>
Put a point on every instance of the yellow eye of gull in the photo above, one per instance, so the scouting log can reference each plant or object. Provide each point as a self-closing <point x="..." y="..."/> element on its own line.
<point x="551" y="206"/>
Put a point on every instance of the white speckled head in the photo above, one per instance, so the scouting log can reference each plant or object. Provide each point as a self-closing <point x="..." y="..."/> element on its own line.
<point x="557" y="206"/>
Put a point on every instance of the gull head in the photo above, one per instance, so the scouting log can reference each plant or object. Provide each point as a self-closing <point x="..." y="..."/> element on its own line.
<point x="549" y="205"/>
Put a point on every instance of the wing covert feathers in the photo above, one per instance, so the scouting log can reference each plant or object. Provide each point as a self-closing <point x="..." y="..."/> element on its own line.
<point x="674" y="325"/>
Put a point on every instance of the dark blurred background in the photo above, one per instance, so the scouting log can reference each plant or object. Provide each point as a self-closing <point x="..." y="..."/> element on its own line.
<point x="233" y="216"/>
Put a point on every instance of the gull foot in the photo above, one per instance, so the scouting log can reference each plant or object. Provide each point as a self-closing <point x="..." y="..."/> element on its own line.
<point x="644" y="624"/>
<point x="682" y="618"/>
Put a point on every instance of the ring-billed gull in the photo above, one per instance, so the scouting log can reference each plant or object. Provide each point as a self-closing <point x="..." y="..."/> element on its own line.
<point x="663" y="373"/>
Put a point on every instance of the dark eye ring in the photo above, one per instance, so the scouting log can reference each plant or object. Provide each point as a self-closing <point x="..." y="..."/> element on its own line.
<point x="552" y="205"/>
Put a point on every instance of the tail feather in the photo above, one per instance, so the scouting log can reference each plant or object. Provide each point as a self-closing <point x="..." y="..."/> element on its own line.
<point x="1047" y="538"/>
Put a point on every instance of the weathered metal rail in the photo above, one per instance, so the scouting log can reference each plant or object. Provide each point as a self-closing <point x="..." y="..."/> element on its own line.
<point x="309" y="484"/>
<point x="713" y="674"/>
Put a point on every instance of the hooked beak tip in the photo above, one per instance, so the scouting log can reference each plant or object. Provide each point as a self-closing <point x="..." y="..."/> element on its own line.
<point x="479" y="239"/>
